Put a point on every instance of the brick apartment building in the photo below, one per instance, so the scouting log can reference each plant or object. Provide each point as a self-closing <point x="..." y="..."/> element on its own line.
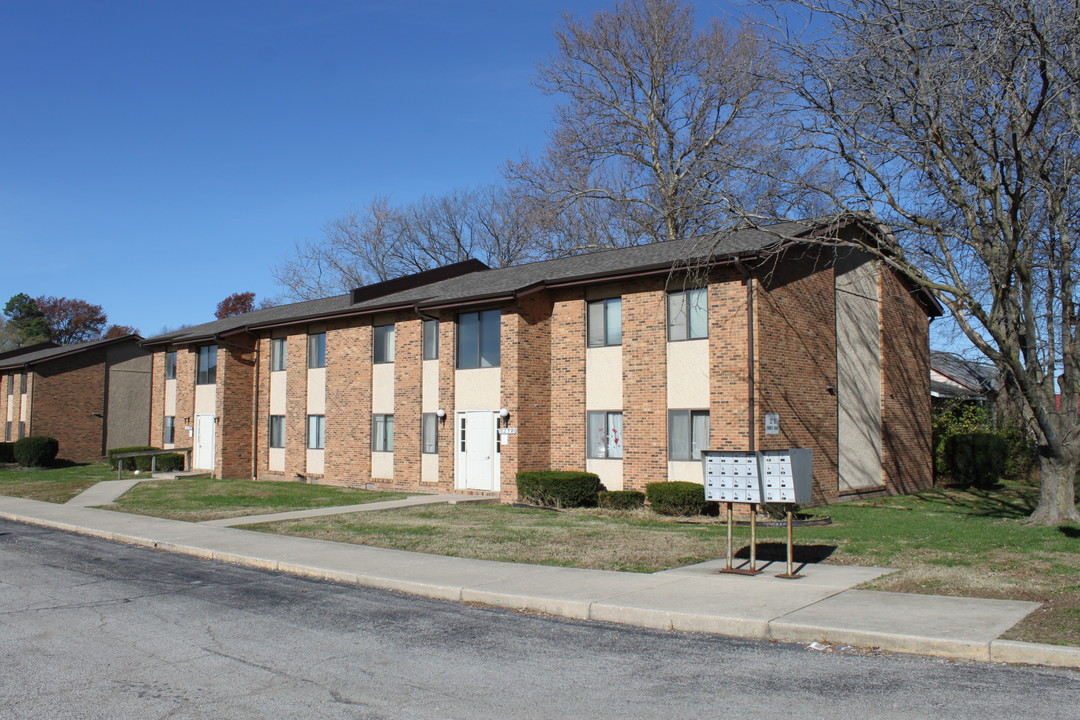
<point x="90" y="396"/>
<point x="626" y="363"/>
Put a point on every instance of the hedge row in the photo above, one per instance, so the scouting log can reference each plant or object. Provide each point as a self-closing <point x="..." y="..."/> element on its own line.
<point x="165" y="463"/>
<point x="559" y="488"/>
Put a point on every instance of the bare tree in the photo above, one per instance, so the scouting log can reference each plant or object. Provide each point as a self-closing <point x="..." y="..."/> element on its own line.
<point x="668" y="124"/>
<point x="957" y="124"/>
<point x="387" y="241"/>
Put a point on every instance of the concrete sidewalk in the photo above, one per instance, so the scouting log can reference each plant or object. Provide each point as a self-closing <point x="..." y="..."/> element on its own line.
<point x="820" y="607"/>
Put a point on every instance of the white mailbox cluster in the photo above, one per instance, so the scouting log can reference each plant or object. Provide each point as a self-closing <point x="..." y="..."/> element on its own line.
<point x="772" y="476"/>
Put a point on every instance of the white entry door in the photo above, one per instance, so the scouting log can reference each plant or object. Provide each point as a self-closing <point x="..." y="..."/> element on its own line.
<point x="477" y="452"/>
<point x="204" y="442"/>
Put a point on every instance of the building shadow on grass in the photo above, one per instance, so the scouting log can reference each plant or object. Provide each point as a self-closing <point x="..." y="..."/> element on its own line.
<point x="999" y="502"/>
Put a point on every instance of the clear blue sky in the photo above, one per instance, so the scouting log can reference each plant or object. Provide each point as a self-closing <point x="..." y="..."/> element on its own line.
<point x="158" y="156"/>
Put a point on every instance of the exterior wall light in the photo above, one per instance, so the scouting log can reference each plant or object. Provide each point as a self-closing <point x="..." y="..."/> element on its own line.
<point x="441" y="414"/>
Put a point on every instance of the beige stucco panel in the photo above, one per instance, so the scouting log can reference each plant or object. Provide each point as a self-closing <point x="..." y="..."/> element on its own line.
<point x="170" y="397"/>
<point x="686" y="471"/>
<point x="128" y="401"/>
<point x="477" y="389"/>
<point x="276" y="460"/>
<point x="382" y="389"/>
<point x="688" y="374"/>
<point x="316" y="391"/>
<point x="858" y="369"/>
<point x="315" y="462"/>
<point x="610" y="471"/>
<point x="429" y="467"/>
<point x="278" y="392"/>
<point x="382" y="465"/>
<point x="206" y="399"/>
<point x="429" y="393"/>
<point x="603" y="378"/>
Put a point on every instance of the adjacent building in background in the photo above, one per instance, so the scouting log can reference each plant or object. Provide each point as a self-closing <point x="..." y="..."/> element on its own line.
<point x="626" y="363"/>
<point x="91" y="396"/>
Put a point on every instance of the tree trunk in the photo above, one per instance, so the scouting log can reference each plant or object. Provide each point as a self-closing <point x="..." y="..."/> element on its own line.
<point x="1057" y="499"/>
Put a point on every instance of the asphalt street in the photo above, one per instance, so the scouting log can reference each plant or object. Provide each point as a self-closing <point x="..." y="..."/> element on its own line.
<point x="93" y="629"/>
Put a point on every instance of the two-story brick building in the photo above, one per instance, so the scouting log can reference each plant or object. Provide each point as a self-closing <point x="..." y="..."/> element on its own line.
<point x="626" y="362"/>
<point x="90" y="396"/>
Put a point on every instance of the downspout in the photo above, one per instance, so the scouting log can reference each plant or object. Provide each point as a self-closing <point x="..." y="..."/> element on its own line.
<point x="750" y="379"/>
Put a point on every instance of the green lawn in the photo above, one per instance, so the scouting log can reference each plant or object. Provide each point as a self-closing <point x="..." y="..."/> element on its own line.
<point x="947" y="542"/>
<point x="56" y="485"/>
<point x="207" y="499"/>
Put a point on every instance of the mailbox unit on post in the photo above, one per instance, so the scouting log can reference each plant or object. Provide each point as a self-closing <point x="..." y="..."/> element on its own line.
<point x="787" y="476"/>
<point x="732" y="476"/>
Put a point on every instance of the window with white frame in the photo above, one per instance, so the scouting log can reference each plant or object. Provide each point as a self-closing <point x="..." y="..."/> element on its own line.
<point x="604" y="434"/>
<point x="206" y="365"/>
<point x="277" y="431"/>
<point x="278" y="353"/>
<point x="316" y="350"/>
<point x="688" y="434"/>
<point x="431" y="339"/>
<point x="478" y="339"/>
<point x="605" y="322"/>
<point x="430" y="433"/>
<point x="316" y="432"/>
<point x="168" y="432"/>
<point x="384" y="344"/>
<point x="170" y="365"/>
<point x="687" y="314"/>
<point x="382" y="433"/>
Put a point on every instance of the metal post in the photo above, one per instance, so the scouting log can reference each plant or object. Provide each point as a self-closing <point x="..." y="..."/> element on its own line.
<point x="753" y="538"/>
<point x="730" y="539"/>
<point x="790" y="574"/>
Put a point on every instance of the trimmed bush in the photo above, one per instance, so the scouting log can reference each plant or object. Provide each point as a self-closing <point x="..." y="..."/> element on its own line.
<point x="977" y="459"/>
<point x="559" y="488"/>
<point x="36" y="451"/>
<point x="167" y="463"/>
<point x="677" y="497"/>
<point x="621" y="499"/>
<point x="7" y="452"/>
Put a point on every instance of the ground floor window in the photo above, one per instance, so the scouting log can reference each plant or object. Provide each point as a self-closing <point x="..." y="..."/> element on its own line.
<point x="277" y="431"/>
<point x="7" y="431"/>
<point x="22" y="430"/>
<point x="430" y="433"/>
<point x="168" y="433"/>
<point x="605" y="436"/>
<point x="316" y="432"/>
<point x="688" y="434"/>
<point x="382" y="433"/>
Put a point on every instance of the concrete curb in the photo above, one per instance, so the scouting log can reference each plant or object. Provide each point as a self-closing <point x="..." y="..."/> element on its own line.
<point x="433" y="577"/>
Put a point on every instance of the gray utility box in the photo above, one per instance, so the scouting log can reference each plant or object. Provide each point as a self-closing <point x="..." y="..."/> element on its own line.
<point x="746" y="476"/>
<point x="787" y="476"/>
<point x="731" y="476"/>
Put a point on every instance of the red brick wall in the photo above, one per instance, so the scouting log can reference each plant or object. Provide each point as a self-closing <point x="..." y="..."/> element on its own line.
<point x="157" y="403"/>
<point x="63" y="396"/>
<point x="526" y="356"/>
<point x="348" y="403"/>
<point x="567" y="395"/>
<point x="448" y="427"/>
<point x="907" y="453"/>
<point x="185" y="396"/>
<point x="729" y="388"/>
<point x="644" y="383"/>
<point x="795" y="343"/>
<point x="235" y="411"/>
<point x="262" y="411"/>
<point x="408" y="378"/>
<point x="296" y="403"/>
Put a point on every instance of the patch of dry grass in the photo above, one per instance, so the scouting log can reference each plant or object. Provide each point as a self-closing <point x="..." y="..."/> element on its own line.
<point x="56" y="484"/>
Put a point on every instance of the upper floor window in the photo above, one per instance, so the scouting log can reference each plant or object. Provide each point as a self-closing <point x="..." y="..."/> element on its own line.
<point x="206" y="369"/>
<point x="605" y="322"/>
<point x="478" y="339"/>
<point x="431" y="339"/>
<point x="22" y="383"/>
<point x="316" y="350"/>
<point x="168" y="430"/>
<point x="688" y="434"/>
<point x="605" y="436"/>
<point x="384" y="344"/>
<point x="687" y="314"/>
<point x="278" y="353"/>
<point x="170" y="365"/>
<point x="10" y="384"/>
